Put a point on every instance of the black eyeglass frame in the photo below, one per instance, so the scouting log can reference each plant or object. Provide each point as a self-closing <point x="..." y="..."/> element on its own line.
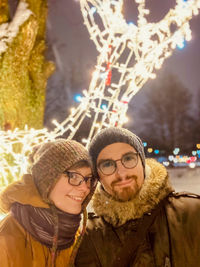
<point x="85" y="179"/>
<point x="114" y="161"/>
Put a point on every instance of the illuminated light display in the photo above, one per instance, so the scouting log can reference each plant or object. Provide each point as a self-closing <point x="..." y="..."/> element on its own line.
<point x="156" y="151"/>
<point x="78" y="98"/>
<point x="145" y="144"/>
<point x="150" y="150"/>
<point x="131" y="52"/>
<point x="176" y="151"/>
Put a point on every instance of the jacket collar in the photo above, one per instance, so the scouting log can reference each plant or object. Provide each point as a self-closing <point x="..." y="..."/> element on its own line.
<point x="156" y="187"/>
<point x="24" y="192"/>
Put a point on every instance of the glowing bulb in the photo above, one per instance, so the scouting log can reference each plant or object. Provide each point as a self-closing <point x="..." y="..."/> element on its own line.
<point x="181" y="45"/>
<point x="78" y="97"/>
<point x="104" y="107"/>
<point x="192" y="165"/>
<point x="145" y="144"/>
<point x="93" y="10"/>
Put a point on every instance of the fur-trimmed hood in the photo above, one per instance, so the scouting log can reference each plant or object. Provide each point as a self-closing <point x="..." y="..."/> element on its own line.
<point x="155" y="188"/>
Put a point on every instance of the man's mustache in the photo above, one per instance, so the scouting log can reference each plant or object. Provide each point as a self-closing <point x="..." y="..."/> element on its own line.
<point x="132" y="177"/>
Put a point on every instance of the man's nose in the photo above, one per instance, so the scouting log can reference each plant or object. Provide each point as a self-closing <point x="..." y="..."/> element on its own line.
<point x="121" y="171"/>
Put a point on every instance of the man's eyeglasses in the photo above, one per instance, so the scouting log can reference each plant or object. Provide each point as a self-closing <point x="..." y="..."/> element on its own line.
<point x="75" y="179"/>
<point x="109" y="166"/>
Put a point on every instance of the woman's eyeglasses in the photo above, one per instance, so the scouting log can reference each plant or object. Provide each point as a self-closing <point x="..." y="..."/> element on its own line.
<point x="76" y="179"/>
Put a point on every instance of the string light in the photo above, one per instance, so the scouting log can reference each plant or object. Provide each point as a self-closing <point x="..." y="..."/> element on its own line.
<point x="149" y="44"/>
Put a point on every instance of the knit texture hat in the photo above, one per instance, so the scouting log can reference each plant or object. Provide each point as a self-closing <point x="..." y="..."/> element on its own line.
<point x="112" y="135"/>
<point x="50" y="160"/>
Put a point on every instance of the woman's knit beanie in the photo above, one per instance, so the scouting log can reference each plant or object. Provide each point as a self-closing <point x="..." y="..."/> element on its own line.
<point x="50" y="160"/>
<point x="112" y="135"/>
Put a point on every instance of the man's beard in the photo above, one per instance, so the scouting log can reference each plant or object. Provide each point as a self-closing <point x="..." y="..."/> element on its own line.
<point x="126" y="193"/>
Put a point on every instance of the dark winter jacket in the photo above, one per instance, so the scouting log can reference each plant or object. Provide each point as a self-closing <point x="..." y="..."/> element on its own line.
<point x="116" y="235"/>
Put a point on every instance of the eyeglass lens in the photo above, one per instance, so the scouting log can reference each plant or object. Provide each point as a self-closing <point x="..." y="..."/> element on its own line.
<point x="109" y="166"/>
<point x="77" y="179"/>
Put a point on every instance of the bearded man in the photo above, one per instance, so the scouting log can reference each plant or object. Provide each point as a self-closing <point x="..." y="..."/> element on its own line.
<point x="139" y="220"/>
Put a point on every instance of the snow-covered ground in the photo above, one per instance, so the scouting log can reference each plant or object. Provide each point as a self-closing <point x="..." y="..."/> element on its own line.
<point x="185" y="179"/>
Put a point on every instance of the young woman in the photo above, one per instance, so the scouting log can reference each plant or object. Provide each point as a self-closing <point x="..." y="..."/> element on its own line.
<point x="42" y="227"/>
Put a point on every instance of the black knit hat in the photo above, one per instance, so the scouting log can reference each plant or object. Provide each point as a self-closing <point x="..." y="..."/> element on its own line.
<point x="112" y="135"/>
